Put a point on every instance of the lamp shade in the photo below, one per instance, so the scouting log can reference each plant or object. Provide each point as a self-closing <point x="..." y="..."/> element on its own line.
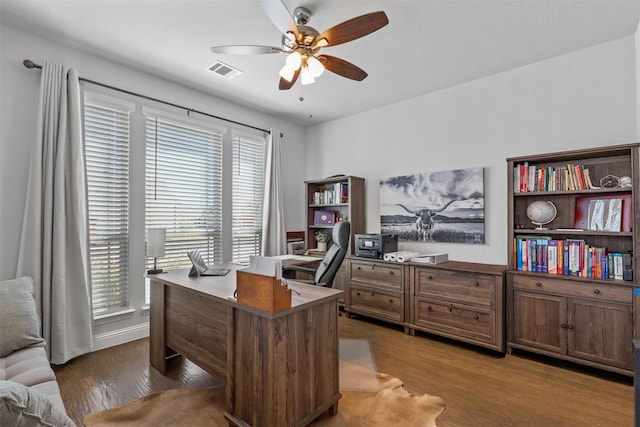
<point x="155" y="241"/>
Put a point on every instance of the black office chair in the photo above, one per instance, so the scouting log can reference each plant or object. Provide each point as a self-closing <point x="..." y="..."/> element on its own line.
<point x="326" y="271"/>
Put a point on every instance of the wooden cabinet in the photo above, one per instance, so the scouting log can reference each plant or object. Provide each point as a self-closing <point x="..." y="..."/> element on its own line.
<point x="587" y="322"/>
<point x="343" y="196"/>
<point x="377" y="289"/>
<point x="588" y="316"/>
<point x="459" y="300"/>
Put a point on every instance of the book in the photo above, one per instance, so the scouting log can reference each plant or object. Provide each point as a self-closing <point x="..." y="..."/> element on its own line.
<point x="552" y="257"/>
<point x="627" y="266"/>
<point x="618" y="268"/>
<point x="575" y="256"/>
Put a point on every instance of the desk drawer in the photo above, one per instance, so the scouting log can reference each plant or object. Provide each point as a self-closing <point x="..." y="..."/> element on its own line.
<point x="470" y="288"/>
<point x="456" y="320"/>
<point x="574" y="289"/>
<point x="379" y="304"/>
<point x="375" y="274"/>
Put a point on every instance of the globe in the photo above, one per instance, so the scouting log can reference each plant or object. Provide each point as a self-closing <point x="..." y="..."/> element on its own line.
<point x="541" y="213"/>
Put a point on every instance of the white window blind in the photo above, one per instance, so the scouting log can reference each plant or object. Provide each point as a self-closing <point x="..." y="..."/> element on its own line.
<point x="248" y="193"/>
<point x="107" y="157"/>
<point x="183" y="186"/>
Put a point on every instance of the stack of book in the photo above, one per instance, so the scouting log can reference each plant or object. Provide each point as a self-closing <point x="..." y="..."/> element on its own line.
<point x="337" y="194"/>
<point x="529" y="178"/>
<point x="572" y="257"/>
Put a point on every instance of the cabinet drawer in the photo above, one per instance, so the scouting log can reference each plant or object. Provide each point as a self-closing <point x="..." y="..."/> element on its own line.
<point x="470" y="288"/>
<point x="380" y="304"/>
<point x="574" y="289"/>
<point x="379" y="275"/>
<point x="456" y="320"/>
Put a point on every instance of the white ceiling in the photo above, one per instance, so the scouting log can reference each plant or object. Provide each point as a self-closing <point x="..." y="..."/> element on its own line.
<point x="427" y="46"/>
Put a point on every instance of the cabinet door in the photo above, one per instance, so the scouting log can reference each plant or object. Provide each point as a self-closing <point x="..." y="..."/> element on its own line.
<point x="537" y="321"/>
<point x="600" y="332"/>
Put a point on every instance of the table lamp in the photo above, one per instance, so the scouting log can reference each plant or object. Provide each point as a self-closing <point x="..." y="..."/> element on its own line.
<point x="155" y="247"/>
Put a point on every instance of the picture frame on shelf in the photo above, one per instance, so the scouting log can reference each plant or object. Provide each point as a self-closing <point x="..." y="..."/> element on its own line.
<point x="296" y="248"/>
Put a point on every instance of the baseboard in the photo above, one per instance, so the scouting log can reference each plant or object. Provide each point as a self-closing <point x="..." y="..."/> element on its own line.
<point x="120" y="336"/>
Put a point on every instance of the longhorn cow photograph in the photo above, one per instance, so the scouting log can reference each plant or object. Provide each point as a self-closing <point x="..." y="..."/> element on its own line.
<point x="446" y="206"/>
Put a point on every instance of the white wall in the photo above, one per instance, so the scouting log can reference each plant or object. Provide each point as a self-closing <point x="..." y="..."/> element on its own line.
<point x="19" y="88"/>
<point x="583" y="99"/>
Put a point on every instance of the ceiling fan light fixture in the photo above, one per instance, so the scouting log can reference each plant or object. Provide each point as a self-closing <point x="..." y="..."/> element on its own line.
<point x="287" y="72"/>
<point x="315" y="66"/>
<point x="306" y="76"/>
<point x="294" y="60"/>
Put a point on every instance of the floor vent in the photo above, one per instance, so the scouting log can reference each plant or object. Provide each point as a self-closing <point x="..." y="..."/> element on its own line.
<point x="225" y="70"/>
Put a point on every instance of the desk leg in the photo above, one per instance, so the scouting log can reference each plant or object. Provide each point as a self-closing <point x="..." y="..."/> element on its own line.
<point x="157" y="341"/>
<point x="333" y="410"/>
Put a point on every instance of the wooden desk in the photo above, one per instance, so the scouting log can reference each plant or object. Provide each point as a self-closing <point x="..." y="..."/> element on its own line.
<point x="281" y="369"/>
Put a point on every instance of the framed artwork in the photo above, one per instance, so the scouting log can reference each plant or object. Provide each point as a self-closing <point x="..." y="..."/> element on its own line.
<point x="296" y="248"/>
<point x="445" y="206"/>
<point x="324" y="217"/>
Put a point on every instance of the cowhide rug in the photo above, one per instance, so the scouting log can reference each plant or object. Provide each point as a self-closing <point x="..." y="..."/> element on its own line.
<point x="392" y="405"/>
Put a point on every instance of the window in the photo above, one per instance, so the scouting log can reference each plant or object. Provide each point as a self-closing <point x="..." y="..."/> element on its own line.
<point x="107" y="157"/>
<point x="183" y="186"/>
<point x="248" y="193"/>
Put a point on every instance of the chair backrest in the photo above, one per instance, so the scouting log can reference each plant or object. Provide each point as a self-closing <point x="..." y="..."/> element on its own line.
<point x="331" y="262"/>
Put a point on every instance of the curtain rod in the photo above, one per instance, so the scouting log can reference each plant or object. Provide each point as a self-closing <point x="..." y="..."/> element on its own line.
<point x="30" y="64"/>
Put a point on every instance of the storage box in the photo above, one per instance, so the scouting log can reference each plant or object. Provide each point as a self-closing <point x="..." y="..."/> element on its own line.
<point x="324" y="217"/>
<point x="263" y="292"/>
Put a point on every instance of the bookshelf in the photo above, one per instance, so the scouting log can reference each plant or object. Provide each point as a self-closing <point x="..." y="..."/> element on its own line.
<point x="332" y="199"/>
<point x="583" y="310"/>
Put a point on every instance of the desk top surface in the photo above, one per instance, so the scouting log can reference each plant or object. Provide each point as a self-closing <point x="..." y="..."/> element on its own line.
<point x="222" y="287"/>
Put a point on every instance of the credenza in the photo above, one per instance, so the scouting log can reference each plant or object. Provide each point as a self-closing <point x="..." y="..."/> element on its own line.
<point x="459" y="300"/>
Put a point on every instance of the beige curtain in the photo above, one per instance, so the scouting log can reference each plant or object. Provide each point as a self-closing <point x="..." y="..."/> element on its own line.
<point x="274" y="236"/>
<point x="54" y="245"/>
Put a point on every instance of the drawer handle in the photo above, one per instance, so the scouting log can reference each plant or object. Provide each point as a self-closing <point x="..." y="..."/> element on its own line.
<point x="569" y="326"/>
<point x="539" y="284"/>
<point x="359" y="268"/>
<point x="450" y="308"/>
<point x="428" y="308"/>
<point x="563" y="325"/>
<point x="358" y="294"/>
<point x="372" y="292"/>
<point x="596" y="291"/>
<point x="429" y="277"/>
<point x="373" y="266"/>
<point x="476" y="317"/>
<point x="391" y="272"/>
<point x="476" y="284"/>
<point x="390" y="300"/>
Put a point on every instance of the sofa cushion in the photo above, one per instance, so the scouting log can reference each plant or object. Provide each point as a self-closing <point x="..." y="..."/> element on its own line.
<point x="25" y="406"/>
<point x="19" y="321"/>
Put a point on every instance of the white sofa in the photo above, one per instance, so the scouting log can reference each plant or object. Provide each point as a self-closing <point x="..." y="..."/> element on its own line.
<point x="29" y="392"/>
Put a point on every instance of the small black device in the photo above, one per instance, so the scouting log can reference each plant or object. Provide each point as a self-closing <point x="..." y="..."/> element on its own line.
<point x="200" y="268"/>
<point x="375" y="245"/>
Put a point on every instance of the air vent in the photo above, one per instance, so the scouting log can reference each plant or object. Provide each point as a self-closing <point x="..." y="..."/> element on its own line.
<point x="225" y="70"/>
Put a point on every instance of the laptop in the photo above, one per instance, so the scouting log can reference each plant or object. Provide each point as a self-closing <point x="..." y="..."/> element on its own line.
<point x="200" y="268"/>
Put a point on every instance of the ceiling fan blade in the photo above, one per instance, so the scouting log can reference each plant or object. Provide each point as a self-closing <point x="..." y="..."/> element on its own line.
<point x="245" y="49"/>
<point x="352" y="29"/>
<point x="342" y="67"/>
<point x="285" y="85"/>
<point x="279" y="15"/>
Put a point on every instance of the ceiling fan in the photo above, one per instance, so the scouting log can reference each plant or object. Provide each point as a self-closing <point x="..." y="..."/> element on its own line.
<point x="302" y="43"/>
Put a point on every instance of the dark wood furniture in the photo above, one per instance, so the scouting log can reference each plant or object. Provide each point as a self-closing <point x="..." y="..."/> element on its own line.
<point x="459" y="300"/>
<point x="587" y="320"/>
<point x="280" y="368"/>
<point x="378" y="289"/>
<point x="343" y="195"/>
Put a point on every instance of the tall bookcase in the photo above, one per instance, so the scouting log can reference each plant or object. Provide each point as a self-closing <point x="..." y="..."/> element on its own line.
<point x="582" y="317"/>
<point x="341" y="195"/>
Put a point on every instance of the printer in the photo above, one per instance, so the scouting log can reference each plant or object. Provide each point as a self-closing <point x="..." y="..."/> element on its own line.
<point x="375" y="245"/>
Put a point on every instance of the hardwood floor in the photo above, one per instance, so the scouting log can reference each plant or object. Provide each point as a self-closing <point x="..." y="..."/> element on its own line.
<point x="481" y="388"/>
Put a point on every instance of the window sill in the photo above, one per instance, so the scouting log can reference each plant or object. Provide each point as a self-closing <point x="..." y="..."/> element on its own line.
<point x="113" y="317"/>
